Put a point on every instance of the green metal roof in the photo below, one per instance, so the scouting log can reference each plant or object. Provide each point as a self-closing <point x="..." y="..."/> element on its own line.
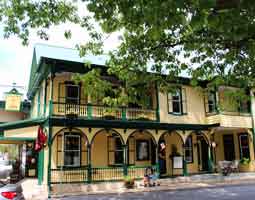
<point x="22" y="123"/>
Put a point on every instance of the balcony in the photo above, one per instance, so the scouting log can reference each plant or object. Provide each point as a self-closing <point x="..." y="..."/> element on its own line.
<point x="100" y="112"/>
<point x="228" y="118"/>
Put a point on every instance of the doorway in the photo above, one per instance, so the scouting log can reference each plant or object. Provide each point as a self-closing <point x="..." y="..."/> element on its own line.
<point x="229" y="147"/>
<point x="202" y="151"/>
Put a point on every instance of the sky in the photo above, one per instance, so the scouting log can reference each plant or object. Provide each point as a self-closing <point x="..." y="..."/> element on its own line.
<point x="16" y="59"/>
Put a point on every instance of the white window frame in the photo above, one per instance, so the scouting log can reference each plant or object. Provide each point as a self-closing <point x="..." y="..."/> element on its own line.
<point x="179" y="101"/>
<point x="64" y="150"/>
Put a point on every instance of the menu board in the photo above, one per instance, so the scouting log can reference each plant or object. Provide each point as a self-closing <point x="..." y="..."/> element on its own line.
<point x="178" y="162"/>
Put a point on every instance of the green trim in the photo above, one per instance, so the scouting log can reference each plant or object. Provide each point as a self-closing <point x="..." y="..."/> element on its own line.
<point x="22" y="123"/>
<point x="40" y="167"/>
<point x="17" y="138"/>
<point x="157" y="99"/>
<point x="89" y="111"/>
<point x="123" y="114"/>
<point x="49" y="162"/>
<point x="56" y="121"/>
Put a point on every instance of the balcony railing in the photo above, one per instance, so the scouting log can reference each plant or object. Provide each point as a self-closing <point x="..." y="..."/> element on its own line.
<point x="103" y="112"/>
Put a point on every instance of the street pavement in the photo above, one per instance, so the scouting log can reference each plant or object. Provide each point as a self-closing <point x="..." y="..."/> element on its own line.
<point x="236" y="192"/>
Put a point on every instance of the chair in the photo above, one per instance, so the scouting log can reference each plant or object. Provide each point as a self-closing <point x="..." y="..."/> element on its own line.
<point x="234" y="166"/>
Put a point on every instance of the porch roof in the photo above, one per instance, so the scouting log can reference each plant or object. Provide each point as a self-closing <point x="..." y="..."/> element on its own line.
<point x="21" y="123"/>
<point x="55" y="121"/>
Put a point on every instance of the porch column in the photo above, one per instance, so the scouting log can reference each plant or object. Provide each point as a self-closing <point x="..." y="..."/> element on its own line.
<point x="89" y="163"/>
<point x="157" y="160"/>
<point x="49" y="162"/>
<point x="125" y="165"/>
<point x="89" y="108"/>
<point x="185" y="168"/>
<point x="51" y="93"/>
<point x="210" y="162"/>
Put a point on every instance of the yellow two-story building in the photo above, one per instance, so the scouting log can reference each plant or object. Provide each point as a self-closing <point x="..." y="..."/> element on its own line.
<point x="184" y="132"/>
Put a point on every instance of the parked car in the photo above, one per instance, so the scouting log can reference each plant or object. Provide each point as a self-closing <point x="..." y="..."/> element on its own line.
<point x="5" y="169"/>
<point x="11" y="192"/>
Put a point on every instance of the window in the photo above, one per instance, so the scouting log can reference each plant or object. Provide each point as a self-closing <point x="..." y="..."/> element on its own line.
<point x="244" y="106"/>
<point x="177" y="101"/>
<point x="142" y="150"/>
<point x="72" y="150"/>
<point x="72" y="93"/>
<point x="211" y="102"/>
<point x="188" y="150"/>
<point x="244" y="146"/>
<point x="115" y="151"/>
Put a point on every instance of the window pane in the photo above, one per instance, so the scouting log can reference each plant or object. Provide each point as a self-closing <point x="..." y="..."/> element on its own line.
<point x="176" y="107"/>
<point x="72" y="158"/>
<point x="72" y="93"/>
<point x="72" y="142"/>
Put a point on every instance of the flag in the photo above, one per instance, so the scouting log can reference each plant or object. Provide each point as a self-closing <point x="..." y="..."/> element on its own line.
<point x="40" y="140"/>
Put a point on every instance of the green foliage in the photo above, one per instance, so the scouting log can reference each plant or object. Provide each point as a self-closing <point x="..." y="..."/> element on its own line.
<point x="245" y="161"/>
<point x="205" y="39"/>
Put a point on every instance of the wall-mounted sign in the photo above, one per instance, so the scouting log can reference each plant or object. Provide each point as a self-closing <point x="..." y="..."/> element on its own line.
<point x="13" y="100"/>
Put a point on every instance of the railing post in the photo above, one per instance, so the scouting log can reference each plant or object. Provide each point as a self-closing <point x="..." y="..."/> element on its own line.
<point x="89" y="163"/>
<point x="124" y="113"/>
<point x="89" y="111"/>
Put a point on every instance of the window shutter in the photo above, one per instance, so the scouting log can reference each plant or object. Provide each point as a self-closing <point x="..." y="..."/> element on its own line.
<point x="184" y="101"/>
<point x="61" y="92"/>
<point x="84" y="151"/>
<point x="111" y="150"/>
<point x="60" y="157"/>
<point x="131" y="151"/>
<point x="170" y="102"/>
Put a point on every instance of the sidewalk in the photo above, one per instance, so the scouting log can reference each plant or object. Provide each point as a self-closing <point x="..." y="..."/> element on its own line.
<point x="179" y="183"/>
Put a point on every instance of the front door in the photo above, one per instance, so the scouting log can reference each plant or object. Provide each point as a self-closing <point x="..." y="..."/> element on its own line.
<point x="229" y="147"/>
<point x="202" y="150"/>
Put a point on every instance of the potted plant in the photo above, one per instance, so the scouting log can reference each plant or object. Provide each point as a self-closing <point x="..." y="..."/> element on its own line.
<point x="245" y="165"/>
<point x="142" y="117"/>
<point x="109" y="114"/>
<point x="129" y="182"/>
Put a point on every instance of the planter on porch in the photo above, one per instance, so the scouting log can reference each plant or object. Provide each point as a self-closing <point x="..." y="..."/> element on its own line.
<point x="246" y="165"/>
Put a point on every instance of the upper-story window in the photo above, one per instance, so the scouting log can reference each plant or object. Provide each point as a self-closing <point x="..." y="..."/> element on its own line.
<point x="69" y="93"/>
<point x="211" y="102"/>
<point x="177" y="101"/>
<point x="72" y="93"/>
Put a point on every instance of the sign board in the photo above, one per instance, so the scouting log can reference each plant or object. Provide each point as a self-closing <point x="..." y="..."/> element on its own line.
<point x="13" y="102"/>
<point x="177" y="162"/>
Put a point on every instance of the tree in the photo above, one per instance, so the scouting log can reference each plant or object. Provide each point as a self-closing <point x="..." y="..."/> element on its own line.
<point x="204" y="39"/>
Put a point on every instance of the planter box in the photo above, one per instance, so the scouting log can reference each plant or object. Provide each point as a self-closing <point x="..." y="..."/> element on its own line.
<point x="246" y="168"/>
